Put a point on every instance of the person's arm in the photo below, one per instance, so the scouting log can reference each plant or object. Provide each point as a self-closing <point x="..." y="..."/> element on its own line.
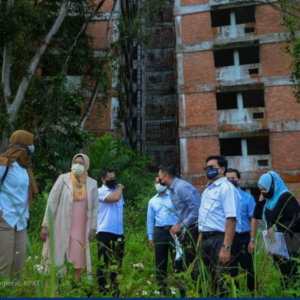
<point x="229" y="199"/>
<point x="150" y="225"/>
<point x="114" y="197"/>
<point x="2" y="171"/>
<point x="94" y="211"/>
<point x="254" y="224"/>
<point x="192" y="199"/>
<point x="52" y="205"/>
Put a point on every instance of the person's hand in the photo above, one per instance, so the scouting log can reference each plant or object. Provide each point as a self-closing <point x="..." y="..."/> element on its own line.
<point x="91" y="235"/>
<point x="224" y="255"/>
<point x="174" y="229"/>
<point x="151" y="245"/>
<point x="120" y="185"/>
<point x="271" y="233"/>
<point x="251" y="247"/>
<point x="44" y="234"/>
<point x="261" y="197"/>
<point x="1" y="214"/>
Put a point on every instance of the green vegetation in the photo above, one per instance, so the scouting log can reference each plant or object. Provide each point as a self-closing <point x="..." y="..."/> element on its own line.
<point x="137" y="276"/>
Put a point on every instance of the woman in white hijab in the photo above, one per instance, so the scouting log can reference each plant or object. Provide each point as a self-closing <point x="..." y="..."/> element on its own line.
<point x="73" y="206"/>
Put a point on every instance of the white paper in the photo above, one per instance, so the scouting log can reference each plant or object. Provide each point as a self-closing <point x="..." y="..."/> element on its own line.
<point x="178" y="248"/>
<point x="276" y="246"/>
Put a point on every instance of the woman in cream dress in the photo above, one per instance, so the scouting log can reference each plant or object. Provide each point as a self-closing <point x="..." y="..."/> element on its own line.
<point x="73" y="205"/>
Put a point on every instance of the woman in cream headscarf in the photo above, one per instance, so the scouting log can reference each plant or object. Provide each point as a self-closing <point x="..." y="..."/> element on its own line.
<point x="17" y="191"/>
<point x="73" y="205"/>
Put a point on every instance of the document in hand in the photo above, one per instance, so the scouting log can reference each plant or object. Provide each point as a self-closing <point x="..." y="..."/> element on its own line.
<point x="276" y="245"/>
<point x="178" y="248"/>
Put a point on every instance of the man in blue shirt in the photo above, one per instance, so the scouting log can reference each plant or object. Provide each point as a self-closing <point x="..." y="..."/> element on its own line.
<point x="161" y="214"/>
<point x="110" y="232"/>
<point x="218" y="216"/>
<point x="186" y="200"/>
<point x="241" y="254"/>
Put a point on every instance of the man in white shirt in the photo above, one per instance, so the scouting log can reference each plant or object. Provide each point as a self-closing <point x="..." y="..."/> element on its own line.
<point x="110" y="232"/>
<point x="162" y="215"/>
<point x="217" y="220"/>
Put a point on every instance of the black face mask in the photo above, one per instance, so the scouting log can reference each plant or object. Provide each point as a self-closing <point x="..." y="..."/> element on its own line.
<point x="163" y="184"/>
<point x="234" y="182"/>
<point x="270" y="193"/>
<point x="111" y="183"/>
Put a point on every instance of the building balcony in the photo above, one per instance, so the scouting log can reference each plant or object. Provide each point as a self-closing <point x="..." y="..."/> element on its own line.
<point x="238" y="72"/>
<point x="251" y="163"/>
<point x="241" y="116"/>
<point x="224" y="33"/>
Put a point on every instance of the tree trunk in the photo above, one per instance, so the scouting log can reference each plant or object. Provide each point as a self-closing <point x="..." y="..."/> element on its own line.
<point x="13" y="109"/>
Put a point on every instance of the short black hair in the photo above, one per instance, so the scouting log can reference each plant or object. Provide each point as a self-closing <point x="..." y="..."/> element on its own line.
<point x="230" y="170"/>
<point x="170" y="170"/>
<point x="222" y="161"/>
<point x="105" y="171"/>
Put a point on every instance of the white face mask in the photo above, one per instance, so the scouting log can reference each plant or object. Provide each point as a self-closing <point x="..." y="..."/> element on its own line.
<point x="78" y="170"/>
<point x="30" y="150"/>
<point x="160" y="188"/>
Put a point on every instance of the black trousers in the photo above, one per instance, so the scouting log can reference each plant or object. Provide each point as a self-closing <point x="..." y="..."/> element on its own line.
<point x="288" y="268"/>
<point x="190" y="245"/>
<point x="210" y="249"/>
<point x="240" y="255"/>
<point x="164" y="245"/>
<point x="111" y="247"/>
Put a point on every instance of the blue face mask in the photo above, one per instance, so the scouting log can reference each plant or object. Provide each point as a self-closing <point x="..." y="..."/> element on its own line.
<point x="212" y="173"/>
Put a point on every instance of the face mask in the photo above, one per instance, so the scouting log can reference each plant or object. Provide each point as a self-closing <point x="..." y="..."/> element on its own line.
<point x="212" y="173"/>
<point x="78" y="170"/>
<point x="111" y="183"/>
<point x="270" y="193"/>
<point x="160" y="188"/>
<point x="160" y="182"/>
<point x="30" y="150"/>
<point x="234" y="182"/>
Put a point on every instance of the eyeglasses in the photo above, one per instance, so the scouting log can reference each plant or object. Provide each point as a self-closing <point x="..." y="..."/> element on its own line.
<point x="210" y="168"/>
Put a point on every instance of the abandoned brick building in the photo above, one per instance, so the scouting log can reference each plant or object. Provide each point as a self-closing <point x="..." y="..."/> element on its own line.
<point x="214" y="80"/>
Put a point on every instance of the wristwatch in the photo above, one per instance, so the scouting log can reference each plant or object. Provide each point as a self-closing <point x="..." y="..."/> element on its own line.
<point x="252" y="240"/>
<point x="228" y="248"/>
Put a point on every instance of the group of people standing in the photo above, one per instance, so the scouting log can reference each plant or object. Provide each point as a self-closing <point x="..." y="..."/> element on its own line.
<point x="218" y="229"/>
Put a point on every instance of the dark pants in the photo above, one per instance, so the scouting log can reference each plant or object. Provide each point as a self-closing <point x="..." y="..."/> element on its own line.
<point x="240" y="254"/>
<point x="164" y="244"/>
<point x="288" y="268"/>
<point x="210" y="248"/>
<point x="190" y="244"/>
<point x="111" y="247"/>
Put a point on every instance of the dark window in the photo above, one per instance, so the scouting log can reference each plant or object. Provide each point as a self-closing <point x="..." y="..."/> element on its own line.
<point x="259" y="115"/>
<point x="250" y="30"/>
<point x="263" y="162"/>
<point x="224" y="58"/>
<point x="249" y="55"/>
<point x="244" y="15"/>
<point x="231" y="147"/>
<point x="253" y="98"/>
<point x="226" y="100"/>
<point x="254" y="71"/>
<point x="258" y="145"/>
<point x="220" y="18"/>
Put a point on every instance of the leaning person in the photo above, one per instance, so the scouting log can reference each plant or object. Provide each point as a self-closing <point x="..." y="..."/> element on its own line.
<point x="281" y="211"/>
<point x="73" y="206"/>
<point x="18" y="188"/>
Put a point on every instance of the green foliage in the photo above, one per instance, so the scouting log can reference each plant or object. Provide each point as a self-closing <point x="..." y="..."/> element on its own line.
<point x="291" y="19"/>
<point x="129" y="165"/>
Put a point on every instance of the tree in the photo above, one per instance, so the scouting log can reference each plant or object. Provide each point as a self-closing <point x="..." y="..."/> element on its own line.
<point x="33" y="33"/>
